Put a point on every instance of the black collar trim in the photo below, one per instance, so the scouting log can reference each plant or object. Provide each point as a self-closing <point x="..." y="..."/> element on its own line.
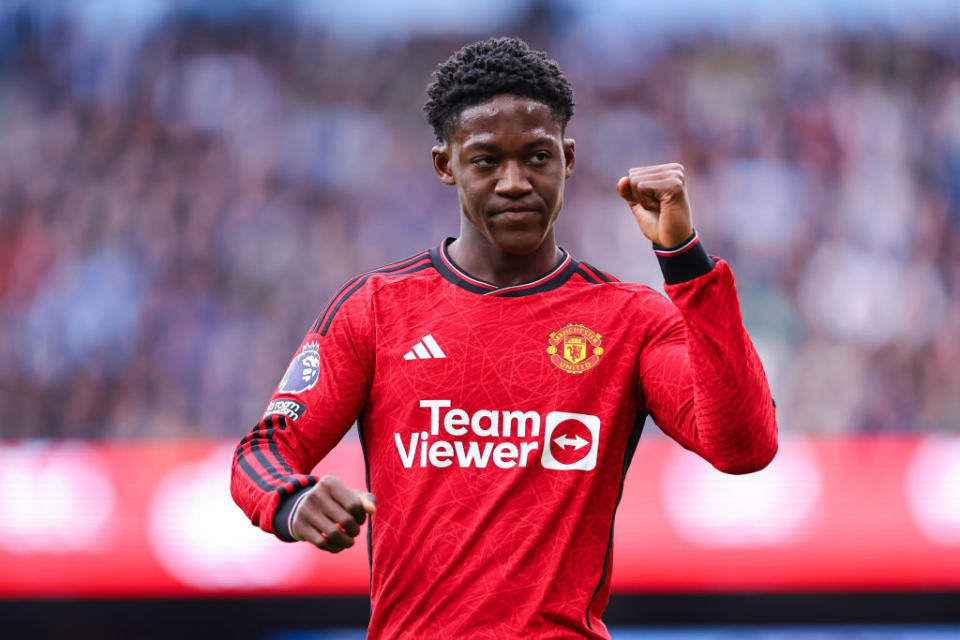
<point x="449" y="270"/>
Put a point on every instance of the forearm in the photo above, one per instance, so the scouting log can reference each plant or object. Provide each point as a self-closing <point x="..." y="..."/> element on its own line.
<point x="704" y="382"/>
<point x="265" y="473"/>
<point x="733" y="422"/>
<point x="319" y="396"/>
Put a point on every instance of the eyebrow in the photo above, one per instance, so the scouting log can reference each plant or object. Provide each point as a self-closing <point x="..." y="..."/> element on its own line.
<point x="486" y="146"/>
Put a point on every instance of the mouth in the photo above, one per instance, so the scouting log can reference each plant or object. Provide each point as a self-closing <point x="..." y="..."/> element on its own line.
<point x="517" y="213"/>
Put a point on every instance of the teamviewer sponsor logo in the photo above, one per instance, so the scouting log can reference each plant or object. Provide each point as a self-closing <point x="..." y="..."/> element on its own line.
<point x="503" y="439"/>
<point x="571" y="441"/>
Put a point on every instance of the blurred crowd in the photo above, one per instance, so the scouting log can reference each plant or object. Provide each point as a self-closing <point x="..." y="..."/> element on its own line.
<point x="178" y="203"/>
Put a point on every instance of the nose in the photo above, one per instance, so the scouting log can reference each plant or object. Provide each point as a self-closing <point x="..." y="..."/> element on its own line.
<point x="513" y="182"/>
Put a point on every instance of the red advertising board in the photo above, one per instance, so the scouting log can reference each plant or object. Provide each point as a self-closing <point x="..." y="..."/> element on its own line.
<point x="81" y="519"/>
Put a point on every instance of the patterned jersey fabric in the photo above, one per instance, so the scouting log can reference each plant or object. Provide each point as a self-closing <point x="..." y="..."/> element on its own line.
<point x="497" y="425"/>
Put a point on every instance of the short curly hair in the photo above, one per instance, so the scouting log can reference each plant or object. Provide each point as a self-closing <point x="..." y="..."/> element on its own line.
<point x="481" y="70"/>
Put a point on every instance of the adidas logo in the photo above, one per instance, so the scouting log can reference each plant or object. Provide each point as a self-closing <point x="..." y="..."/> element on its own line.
<point x="425" y="349"/>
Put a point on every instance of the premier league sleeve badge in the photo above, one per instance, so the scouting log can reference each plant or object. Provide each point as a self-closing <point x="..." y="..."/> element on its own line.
<point x="303" y="372"/>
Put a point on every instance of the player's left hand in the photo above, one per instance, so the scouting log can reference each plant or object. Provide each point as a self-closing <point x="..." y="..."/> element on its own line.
<point x="657" y="196"/>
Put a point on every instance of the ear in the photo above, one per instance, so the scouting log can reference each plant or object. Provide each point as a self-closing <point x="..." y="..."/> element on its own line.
<point x="569" y="156"/>
<point x="441" y="163"/>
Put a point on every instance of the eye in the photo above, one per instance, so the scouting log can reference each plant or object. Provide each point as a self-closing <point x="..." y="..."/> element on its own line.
<point x="540" y="157"/>
<point x="483" y="161"/>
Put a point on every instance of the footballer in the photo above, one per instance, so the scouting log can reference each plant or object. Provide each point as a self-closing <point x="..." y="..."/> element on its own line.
<point x="500" y="384"/>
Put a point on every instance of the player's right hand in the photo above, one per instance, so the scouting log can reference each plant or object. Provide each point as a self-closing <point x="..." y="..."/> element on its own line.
<point x="330" y="515"/>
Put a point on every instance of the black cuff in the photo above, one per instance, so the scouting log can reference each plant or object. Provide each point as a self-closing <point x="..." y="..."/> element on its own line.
<point x="685" y="262"/>
<point x="281" y="518"/>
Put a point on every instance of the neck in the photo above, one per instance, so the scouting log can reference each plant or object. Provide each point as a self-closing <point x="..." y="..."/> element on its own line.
<point x="477" y="256"/>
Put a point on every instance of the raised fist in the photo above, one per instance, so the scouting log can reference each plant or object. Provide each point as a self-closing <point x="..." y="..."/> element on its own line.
<point x="657" y="196"/>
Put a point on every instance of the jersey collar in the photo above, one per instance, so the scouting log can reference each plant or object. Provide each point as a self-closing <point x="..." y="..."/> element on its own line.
<point x="449" y="270"/>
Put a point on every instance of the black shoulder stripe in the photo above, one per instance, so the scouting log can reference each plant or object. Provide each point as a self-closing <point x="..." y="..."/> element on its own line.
<point x="403" y="264"/>
<point x="333" y="298"/>
<point x="606" y="277"/>
<point x="586" y="275"/>
<point x="426" y="264"/>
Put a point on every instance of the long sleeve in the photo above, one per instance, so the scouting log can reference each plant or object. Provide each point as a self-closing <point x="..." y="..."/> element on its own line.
<point x="317" y="400"/>
<point x="700" y="376"/>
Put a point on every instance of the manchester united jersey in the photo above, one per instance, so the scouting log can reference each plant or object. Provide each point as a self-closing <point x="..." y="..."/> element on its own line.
<point x="497" y="425"/>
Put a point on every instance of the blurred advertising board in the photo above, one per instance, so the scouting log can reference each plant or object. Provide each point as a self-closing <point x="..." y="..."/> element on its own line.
<point x="155" y="518"/>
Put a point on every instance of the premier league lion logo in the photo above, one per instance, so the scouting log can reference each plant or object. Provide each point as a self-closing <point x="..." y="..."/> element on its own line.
<point x="303" y="372"/>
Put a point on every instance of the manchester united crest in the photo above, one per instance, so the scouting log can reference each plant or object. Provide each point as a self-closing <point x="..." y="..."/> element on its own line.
<point x="574" y="348"/>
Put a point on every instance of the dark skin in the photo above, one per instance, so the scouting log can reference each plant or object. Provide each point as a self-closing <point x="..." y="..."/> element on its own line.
<point x="509" y="161"/>
<point x="330" y="515"/>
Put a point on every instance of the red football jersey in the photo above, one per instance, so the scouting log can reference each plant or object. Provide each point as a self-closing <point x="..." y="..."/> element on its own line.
<point x="498" y="424"/>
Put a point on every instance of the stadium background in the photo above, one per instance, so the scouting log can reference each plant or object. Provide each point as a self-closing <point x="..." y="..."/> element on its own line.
<point x="183" y="184"/>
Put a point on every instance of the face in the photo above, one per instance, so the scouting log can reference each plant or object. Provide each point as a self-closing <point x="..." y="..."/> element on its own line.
<point x="508" y="160"/>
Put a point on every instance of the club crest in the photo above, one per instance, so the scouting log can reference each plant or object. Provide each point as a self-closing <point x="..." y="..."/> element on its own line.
<point x="574" y="348"/>
<point x="303" y="372"/>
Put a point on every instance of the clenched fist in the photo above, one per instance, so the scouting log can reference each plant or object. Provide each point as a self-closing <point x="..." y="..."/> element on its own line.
<point x="657" y="196"/>
<point x="330" y="515"/>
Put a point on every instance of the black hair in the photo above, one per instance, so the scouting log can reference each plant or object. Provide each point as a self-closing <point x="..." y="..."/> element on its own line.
<point x="481" y="70"/>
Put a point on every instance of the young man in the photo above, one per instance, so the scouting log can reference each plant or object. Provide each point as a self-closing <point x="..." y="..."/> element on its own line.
<point x="500" y="385"/>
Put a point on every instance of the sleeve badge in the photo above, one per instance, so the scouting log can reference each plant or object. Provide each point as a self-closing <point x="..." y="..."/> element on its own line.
<point x="303" y="372"/>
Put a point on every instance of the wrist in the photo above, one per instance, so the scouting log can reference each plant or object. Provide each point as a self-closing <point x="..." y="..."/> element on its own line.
<point x="285" y="514"/>
<point x="685" y="261"/>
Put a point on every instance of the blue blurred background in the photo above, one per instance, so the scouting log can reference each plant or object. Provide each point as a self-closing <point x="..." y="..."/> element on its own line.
<point x="184" y="183"/>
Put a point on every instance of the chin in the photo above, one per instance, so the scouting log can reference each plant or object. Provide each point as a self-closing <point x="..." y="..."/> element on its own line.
<point x="519" y="243"/>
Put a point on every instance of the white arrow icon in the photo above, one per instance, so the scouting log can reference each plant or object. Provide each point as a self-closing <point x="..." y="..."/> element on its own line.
<point x="564" y="441"/>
